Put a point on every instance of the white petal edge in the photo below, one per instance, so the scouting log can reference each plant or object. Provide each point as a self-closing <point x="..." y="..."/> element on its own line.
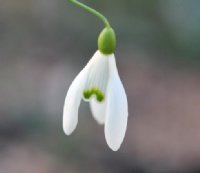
<point x="73" y="99"/>
<point x="98" y="110"/>
<point x="117" y="108"/>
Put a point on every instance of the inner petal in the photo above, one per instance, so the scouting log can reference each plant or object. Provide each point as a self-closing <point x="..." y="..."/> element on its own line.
<point x="97" y="78"/>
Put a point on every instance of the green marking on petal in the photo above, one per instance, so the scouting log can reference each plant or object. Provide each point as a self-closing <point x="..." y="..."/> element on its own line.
<point x="99" y="95"/>
<point x="94" y="91"/>
<point x="87" y="94"/>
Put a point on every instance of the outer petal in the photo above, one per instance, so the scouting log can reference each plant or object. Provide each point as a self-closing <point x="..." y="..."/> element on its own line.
<point x="117" y="108"/>
<point x="73" y="99"/>
<point x="98" y="110"/>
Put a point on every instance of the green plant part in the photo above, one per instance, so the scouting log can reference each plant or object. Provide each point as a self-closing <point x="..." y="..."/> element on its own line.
<point x="107" y="38"/>
<point x="107" y="41"/>
<point x="94" y="91"/>
<point x="92" y="11"/>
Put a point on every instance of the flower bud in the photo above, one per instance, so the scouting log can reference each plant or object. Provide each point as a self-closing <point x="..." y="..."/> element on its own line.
<point x="107" y="41"/>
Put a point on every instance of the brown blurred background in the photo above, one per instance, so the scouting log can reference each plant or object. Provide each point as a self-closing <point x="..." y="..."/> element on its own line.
<point x="45" y="43"/>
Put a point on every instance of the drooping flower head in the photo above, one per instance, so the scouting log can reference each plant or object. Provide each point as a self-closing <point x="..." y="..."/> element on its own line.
<point x="99" y="84"/>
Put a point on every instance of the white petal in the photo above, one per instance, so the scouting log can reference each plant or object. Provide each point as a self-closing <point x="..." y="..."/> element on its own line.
<point x="117" y="108"/>
<point x="73" y="99"/>
<point x="98" y="110"/>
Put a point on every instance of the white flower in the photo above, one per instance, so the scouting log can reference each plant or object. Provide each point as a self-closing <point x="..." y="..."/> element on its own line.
<point x="99" y="83"/>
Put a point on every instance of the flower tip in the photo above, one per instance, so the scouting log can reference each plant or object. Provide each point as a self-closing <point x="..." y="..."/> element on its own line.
<point x="113" y="146"/>
<point x="114" y="141"/>
<point x="67" y="130"/>
<point x="68" y="127"/>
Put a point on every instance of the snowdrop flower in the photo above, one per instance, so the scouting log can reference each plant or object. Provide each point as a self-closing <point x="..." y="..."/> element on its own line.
<point x="99" y="84"/>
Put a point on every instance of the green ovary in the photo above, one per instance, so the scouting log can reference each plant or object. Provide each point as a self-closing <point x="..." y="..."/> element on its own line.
<point x="94" y="91"/>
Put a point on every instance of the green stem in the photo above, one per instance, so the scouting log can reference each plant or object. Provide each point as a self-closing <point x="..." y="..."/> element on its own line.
<point x="90" y="10"/>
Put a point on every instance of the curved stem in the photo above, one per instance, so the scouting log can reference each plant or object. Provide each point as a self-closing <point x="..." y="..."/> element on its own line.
<point x="90" y="10"/>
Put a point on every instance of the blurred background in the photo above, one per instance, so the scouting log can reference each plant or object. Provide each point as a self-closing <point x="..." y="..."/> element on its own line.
<point x="43" y="46"/>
